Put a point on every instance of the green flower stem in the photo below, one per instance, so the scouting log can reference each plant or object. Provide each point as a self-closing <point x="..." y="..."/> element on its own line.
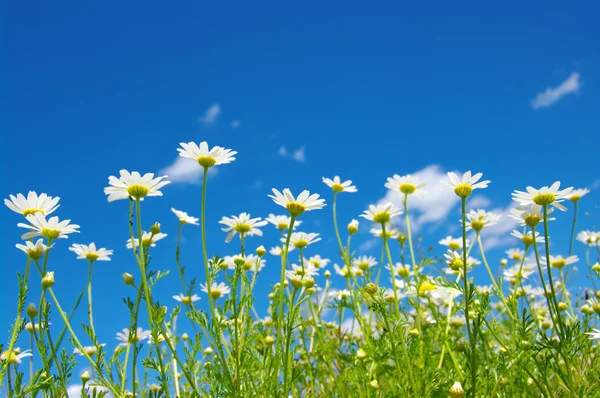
<point x="468" y="301"/>
<point x="549" y="267"/>
<point x="284" y="254"/>
<point x="573" y="227"/>
<point x="542" y="279"/>
<point x="203" y="231"/>
<point x="498" y="288"/>
<point x="447" y="329"/>
<point x="392" y="269"/>
<point x="89" y="292"/>
<point x="124" y="370"/>
<point x="407" y="364"/>
<point x="288" y="337"/>
<point x="335" y="226"/>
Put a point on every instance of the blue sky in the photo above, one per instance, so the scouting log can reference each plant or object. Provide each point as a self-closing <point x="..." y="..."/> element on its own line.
<point x="301" y="91"/>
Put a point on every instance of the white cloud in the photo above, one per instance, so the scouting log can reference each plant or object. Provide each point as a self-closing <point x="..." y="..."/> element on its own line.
<point x="258" y="184"/>
<point x="186" y="170"/>
<point x="499" y="235"/>
<point x="299" y="155"/>
<point x="235" y="124"/>
<point x="282" y="151"/>
<point x="551" y="95"/>
<point x="210" y="115"/>
<point x="367" y="245"/>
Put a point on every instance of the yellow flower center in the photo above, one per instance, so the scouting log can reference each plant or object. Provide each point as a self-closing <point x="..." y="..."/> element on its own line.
<point x="247" y="266"/>
<point x="215" y="293"/>
<point x="315" y="263"/>
<point x="454" y="245"/>
<point x="544" y="199"/>
<point x="13" y="356"/>
<point x="561" y="262"/>
<point x="363" y="265"/>
<point x="403" y="272"/>
<point x="282" y="226"/>
<point x="425" y="287"/>
<point x="92" y="256"/>
<point x="532" y="220"/>
<point x="300" y="244"/>
<point x="477" y="225"/>
<point x="242" y="228"/>
<point x="407" y="188"/>
<point x="527" y="241"/>
<point x="35" y="254"/>
<point x="90" y="350"/>
<point x="516" y="256"/>
<point x="27" y="212"/>
<point x="337" y="188"/>
<point x="137" y="191"/>
<point x="50" y="233"/>
<point x="295" y="208"/>
<point x="463" y="190"/>
<point x="575" y="198"/>
<point x="206" y="161"/>
<point x="146" y="242"/>
<point x="381" y="217"/>
<point x="456" y="264"/>
<point x="186" y="300"/>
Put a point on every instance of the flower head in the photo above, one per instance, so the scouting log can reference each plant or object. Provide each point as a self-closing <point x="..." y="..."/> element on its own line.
<point x="544" y="196"/>
<point x="381" y="213"/>
<point x="184" y="218"/>
<point x="296" y="206"/>
<point x="353" y="227"/>
<point x="577" y="194"/>
<point x="89" y="350"/>
<point x="466" y="184"/>
<point x="16" y="356"/>
<point x="282" y="223"/>
<point x="216" y="290"/>
<point x="364" y="262"/>
<point x="300" y="240"/>
<point x="590" y="238"/>
<point x="338" y="186"/>
<point x="530" y="215"/>
<point x="148" y="240"/>
<point x="318" y="262"/>
<point x="204" y="156"/>
<point x="133" y="185"/>
<point x="560" y="261"/>
<point x="242" y="224"/>
<point x="515" y="254"/>
<point x="453" y="243"/>
<point x="527" y="238"/>
<point x="594" y="334"/>
<point x="89" y="252"/>
<point x="477" y="219"/>
<point x="183" y="299"/>
<point x="406" y="184"/>
<point x="247" y="262"/>
<point x="32" y="204"/>
<point x="127" y="337"/>
<point x="34" y="251"/>
<point x="49" y="229"/>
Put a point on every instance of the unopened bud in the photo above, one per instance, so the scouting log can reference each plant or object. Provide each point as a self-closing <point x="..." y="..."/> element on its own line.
<point x="208" y="351"/>
<point x="269" y="340"/>
<point x="401" y="238"/>
<point x="596" y="267"/>
<point x="414" y="332"/>
<point x="48" y="280"/>
<point x="360" y="353"/>
<point x="127" y="278"/>
<point x="85" y="377"/>
<point x="374" y="384"/>
<point x="155" y="229"/>
<point x="261" y="251"/>
<point x="456" y="391"/>
<point x="371" y="288"/>
<point x="327" y="274"/>
<point x="308" y="282"/>
<point x="562" y="306"/>
<point x="32" y="310"/>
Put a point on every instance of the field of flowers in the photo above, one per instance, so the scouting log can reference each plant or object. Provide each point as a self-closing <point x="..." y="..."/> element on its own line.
<point x="416" y="329"/>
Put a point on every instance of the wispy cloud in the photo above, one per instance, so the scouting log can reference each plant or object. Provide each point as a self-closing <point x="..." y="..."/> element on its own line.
<point x="235" y="124"/>
<point x="299" y="155"/>
<point x="553" y="94"/>
<point x="210" y="115"/>
<point x="186" y="170"/>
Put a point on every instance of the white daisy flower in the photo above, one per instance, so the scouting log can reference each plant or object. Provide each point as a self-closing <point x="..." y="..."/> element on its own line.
<point x="594" y="334"/>
<point x="530" y="215"/>
<point x="184" y="218"/>
<point x="406" y="184"/>
<point x="89" y="252"/>
<point x="533" y="291"/>
<point x="382" y="213"/>
<point x="402" y="270"/>
<point x="89" y="350"/>
<point x="275" y="251"/>
<point x="49" y="229"/>
<point x="515" y="254"/>
<point x="16" y="356"/>
<point x="390" y="231"/>
<point x="309" y="270"/>
<point x="452" y="243"/>
<point x="455" y="263"/>
<point x="353" y="227"/>
<point x="183" y="299"/>
<point x="466" y="184"/>
<point x="527" y="238"/>
<point x="477" y="219"/>
<point x="364" y="262"/>
<point x="588" y="237"/>
<point x="248" y="262"/>
<point x="204" y="156"/>
<point x="340" y="294"/>
<point x="31" y="327"/>
<point x="484" y="289"/>
<point x="216" y="290"/>
<point x="544" y="196"/>
<point x="125" y="338"/>
<point x="32" y="204"/>
<point x="343" y="271"/>
<point x="148" y="239"/>
<point x="133" y="185"/>
<point x="242" y="224"/>
<point x="515" y="273"/>
<point x="298" y="279"/>
<point x="577" y="194"/>
<point x="296" y="206"/>
<point x="338" y="186"/>
<point x="34" y="251"/>
<point x="318" y="262"/>
<point x="282" y="222"/>
<point x="441" y="295"/>
<point x="300" y="240"/>
<point x="560" y="261"/>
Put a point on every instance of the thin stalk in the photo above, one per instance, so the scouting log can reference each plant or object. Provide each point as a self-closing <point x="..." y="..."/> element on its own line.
<point x="468" y="301"/>
<point x="487" y="267"/>
<point x="392" y="269"/>
<point x="89" y="292"/>
<point x="203" y="232"/>
<point x="547" y="244"/>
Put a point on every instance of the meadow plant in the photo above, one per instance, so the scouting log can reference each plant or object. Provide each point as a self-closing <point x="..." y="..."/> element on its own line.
<point x="415" y="325"/>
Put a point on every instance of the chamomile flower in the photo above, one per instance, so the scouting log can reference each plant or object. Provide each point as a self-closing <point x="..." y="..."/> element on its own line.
<point x="577" y="194"/>
<point x="216" y="290"/>
<point x="242" y="224"/>
<point x="299" y="280"/>
<point x="390" y="232"/>
<point x="300" y="240"/>
<point x="32" y="203"/>
<point x="247" y="262"/>
<point x="49" y="229"/>
<point x="455" y="262"/>
<point x="183" y="299"/>
<point x="296" y="206"/>
<point x="184" y="218"/>
<point x="452" y="243"/>
<point x="34" y="251"/>
<point x="465" y="185"/>
<point x="204" y="156"/>
<point x="477" y="219"/>
<point x="589" y="238"/>
<point x="382" y="213"/>
<point x="318" y="262"/>
<point x="89" y="350"/>
<point x="515" y="254"/>
<point x="527" y="238"/>
<point x="126" y="337"/>
<point x="364" y="262"/>
<point x="402" y="270"/>
<point x="275" y="251"/>
<point x="282" y="223"/>
<point x="530" y="215"/>
<point x="308" y="269"/>
<point x="340" y="294"/>
<point x="517" y="273"/>
<point x="148" y="239"/>
<point x="594" y="334"/>
<point x="89" y="252"/>
<point x="16" y="356"/>
<point x="544" y="196"/>
<point x="560" y="261"/>
<point x="406" y="184"/>
<point x="353" y="227"/>
<point x="133" y="185"/>
<point x="338" y="186"/>
<point x="343" y="271"/>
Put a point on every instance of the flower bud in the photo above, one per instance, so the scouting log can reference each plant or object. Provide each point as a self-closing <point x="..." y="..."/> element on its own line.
<point x="271" y="296"/>
<point x="48" y="280"/>
<point x="456" y="391"/>
<point x="185" y="336"/>
<point x="308" y="282"/>
<point x="261" y="251"/>
<point x="371" y="288"/>
<point x="327" y="274"/>
<point x="297" y="282"/>
<point x="401" y="238"/>
<point x="127" y="278"/>
<point x="360" y="353"/>
<point x="207" y="351"/>
<point x="596" y="267"/>
<point x="85" y="377"/>
<point x="239" y="261"/>
<point x="155" y="229"/>
<point x="374" y="384"/>
<point x="32" y="310"/>
<point x="353" y="227"/>
<point x="414" y="332"/>
<point x="269" y="340"/>
<point x="562" y="306"/>
<point x="503" y="262"/>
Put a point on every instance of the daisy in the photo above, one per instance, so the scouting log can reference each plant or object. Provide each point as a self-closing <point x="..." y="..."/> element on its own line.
<point x="296" y="206"/>
<point x="390" y="232"/>
<point x="308" y="269"/>
<point x="275" y="251"/>
<point x="527" y="238"/>
<point x="515" y="254"/>
<point x="517" y="273"/>
<point x="125" y="337"/>
<point x="281" y="222"/>
<point x="204" y="156"/>
<point x="89" y="350"/>
<point x="353" y="227"/>
<point x="344" y="271"/>
<point x="133" y="185"/>
<point x="402" y="270"/>
<point x="183" y="299"/>
<point x="588" y="237"/>
<point x="216" y="290"/>
<point x="247" y="262"/>
<point x="485" y="290"/>
<point x="340" y="294"/>
<point x="242" y="224"/>
<point x="16" y="356"/>
<point x="32" y="204"/>
<point x="560" y="261"/>
<point x="452" y="243"/>
<point x="530" y="215"/>
<point x="90" y="252"/>
<point x="318" y="262"/>
<point x="49" y="229"/>
<point x="300" y="240"/>
<point x="577" y="194"/>
<point x="148" y="239"/>
<point x="31" y="327"/>
<point x="442" y="295"/>
<point x="34" y="251"/>
<point x="364" y="262"/>
<point x="466" y="184"/>
<point x="338" y="186"/>
<point x="406" y="184"/>
<point x="594" y="334"/>
<point x="455" y="263"/>
<point x="544" y="196"/>
<point x="477" y="219"/>
<point x="184" y="218"/>
<point x="300" y="280"/>
<point x="381" y="213"/>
